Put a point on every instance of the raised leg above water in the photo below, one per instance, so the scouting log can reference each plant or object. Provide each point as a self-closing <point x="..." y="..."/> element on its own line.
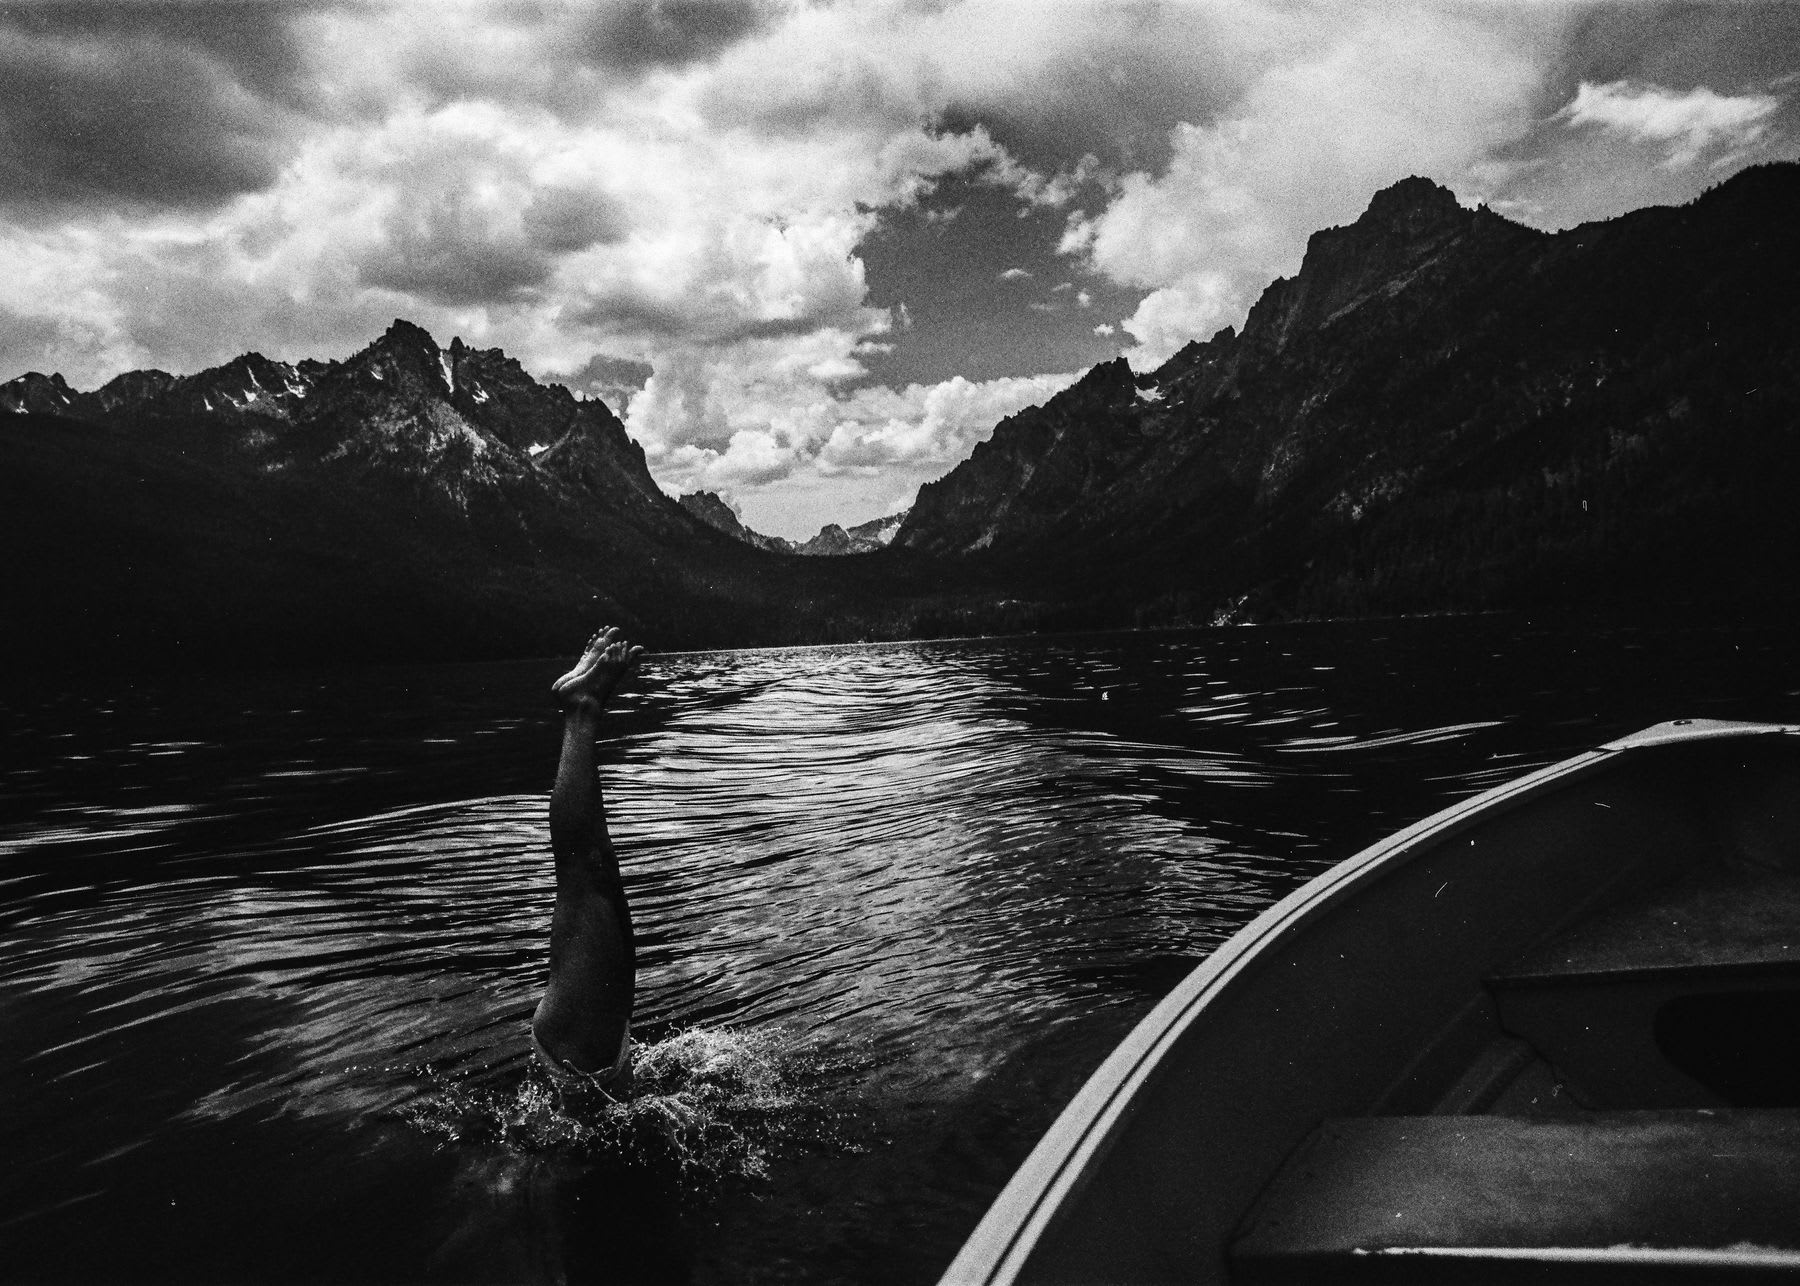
<point x="582" y="1020"/>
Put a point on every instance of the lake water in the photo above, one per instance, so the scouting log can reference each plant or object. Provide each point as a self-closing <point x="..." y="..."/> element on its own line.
<point x="269" y="944"/>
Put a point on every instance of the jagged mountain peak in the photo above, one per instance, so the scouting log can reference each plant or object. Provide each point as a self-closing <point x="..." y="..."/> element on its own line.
<point x="134" y="387"/>
<point x="1411" y="201"/>
<point x="35" y="392"/>
<point x="248" y="382"/>
<point x="1105" y="377"/>
<point x="709" y="503"/>
<point x="1401" y="222"/>
<point x="1405" y="227"/>
<point x="1195" y="355"/>
<point x="459" y="422"/>
<point x="1423" y="348"/>
<point x="405" y="334"/>
<point x="406" y="350"/>
<point x="711" y="508"/>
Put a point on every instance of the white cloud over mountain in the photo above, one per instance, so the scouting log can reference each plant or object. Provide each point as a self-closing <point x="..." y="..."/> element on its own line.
<point x="686" y="187"/>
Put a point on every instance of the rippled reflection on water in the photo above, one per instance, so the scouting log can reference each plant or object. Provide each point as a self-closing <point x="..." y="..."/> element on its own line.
<point x="269" y="943"/>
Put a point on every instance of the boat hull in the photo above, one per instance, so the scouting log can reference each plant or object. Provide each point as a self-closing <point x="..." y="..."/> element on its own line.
<point x="1362" y="992"/>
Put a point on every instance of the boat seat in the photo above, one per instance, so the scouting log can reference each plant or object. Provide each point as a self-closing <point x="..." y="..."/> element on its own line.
<point x="1686" y="997"/>
<point x="1686" y="1196"/>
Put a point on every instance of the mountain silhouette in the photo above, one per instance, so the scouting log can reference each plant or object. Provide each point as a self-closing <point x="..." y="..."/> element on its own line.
<point x="1440" y="411"/>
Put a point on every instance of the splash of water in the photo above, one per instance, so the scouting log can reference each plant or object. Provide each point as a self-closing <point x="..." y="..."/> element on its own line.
<point x="714" y="1101"/>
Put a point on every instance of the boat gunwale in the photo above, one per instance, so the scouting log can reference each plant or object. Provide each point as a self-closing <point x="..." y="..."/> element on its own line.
<point x="1055" y="1169"/>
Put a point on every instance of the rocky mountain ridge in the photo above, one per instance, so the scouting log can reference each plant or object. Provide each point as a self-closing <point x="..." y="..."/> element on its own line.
<point x="1440" y="410"/>
<point x="410" y="499"/>
<point x="710" y="508"/>
<point x="1113" y="435"/>
<point x="457" y="421"/>
<point x="832" y="540"/>
<point x="456" y="424"/>
<point x="863" y="538"/>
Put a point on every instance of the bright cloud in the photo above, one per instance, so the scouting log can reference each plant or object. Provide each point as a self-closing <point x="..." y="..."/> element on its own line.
<point x="1345" y="113"/>
<point x="864" y="431"/>
<point x="1686" y="124"/>
<point x="934" y="425"/>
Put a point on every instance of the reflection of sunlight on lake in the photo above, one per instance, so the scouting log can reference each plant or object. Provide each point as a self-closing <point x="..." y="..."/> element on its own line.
<point x="891" y="903"/>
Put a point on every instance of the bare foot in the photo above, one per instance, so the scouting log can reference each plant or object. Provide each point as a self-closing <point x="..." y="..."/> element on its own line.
<point x="607" y="659"/>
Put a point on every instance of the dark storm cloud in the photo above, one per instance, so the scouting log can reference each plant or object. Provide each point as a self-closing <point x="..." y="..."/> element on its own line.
<point x="1118" y="90"/>
<point x="773" y="328"/>
<point x="1727" y="47"/>
<point x="640" y="34"/>
<point x="629" y="311"/>
<point x="254" y="39"/>
<point x="858" y="92"/>
<point x="612" y="379"/>
<point x="441" y="242"/>
<point x="561" y="220"/>
<point x="602" y="369"/>
<point x="441" y="261"/>
<point x="159" y="105"/>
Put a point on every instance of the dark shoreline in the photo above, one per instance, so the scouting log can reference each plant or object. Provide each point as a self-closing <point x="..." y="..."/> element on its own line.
<point x="23" y="671"/>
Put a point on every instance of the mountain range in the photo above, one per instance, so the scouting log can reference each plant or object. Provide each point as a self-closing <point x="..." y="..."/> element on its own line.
<point x="832" y="540"/>
<point x="409" y="500"/>
<point x="1441" y="410"/>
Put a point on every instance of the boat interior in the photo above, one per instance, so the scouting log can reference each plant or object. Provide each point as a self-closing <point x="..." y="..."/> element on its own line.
<point x="1551" y="1033"/>
<point x="1620" y="1099"/>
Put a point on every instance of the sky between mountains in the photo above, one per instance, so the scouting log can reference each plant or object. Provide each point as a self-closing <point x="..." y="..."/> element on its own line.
<point x="812" y="252"/>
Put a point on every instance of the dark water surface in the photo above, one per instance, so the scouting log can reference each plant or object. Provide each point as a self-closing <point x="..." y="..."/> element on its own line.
<point x="269" y="944"/>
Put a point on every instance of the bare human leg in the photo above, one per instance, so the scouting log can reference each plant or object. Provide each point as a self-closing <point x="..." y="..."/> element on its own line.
<point x="581" y="1023"/>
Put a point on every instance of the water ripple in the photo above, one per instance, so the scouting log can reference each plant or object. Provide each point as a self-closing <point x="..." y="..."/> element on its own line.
<point x="293" y="928"/>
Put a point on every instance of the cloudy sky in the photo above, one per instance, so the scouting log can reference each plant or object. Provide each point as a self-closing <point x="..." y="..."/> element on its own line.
<point x="810" y="251"/>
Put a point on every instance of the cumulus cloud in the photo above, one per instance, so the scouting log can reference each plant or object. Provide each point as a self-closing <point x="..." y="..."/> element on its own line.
<point x="1343" y="113"/>
<point x="669" y="199"/>
<point x="1684" y="124"/>
<point x="866" y="438"/>
<point x="933" y="425"/>
<point x="472" y="207"/>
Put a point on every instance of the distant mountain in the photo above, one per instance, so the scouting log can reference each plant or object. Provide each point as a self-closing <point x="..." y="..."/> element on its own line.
<point x="832" y="540"/>
<point x="864" y="538"/>
<point x="409" y="500"/>
<point x="458" y="424"/>
<point x="1442" y="410"/>
<point x="712" y="510"/>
